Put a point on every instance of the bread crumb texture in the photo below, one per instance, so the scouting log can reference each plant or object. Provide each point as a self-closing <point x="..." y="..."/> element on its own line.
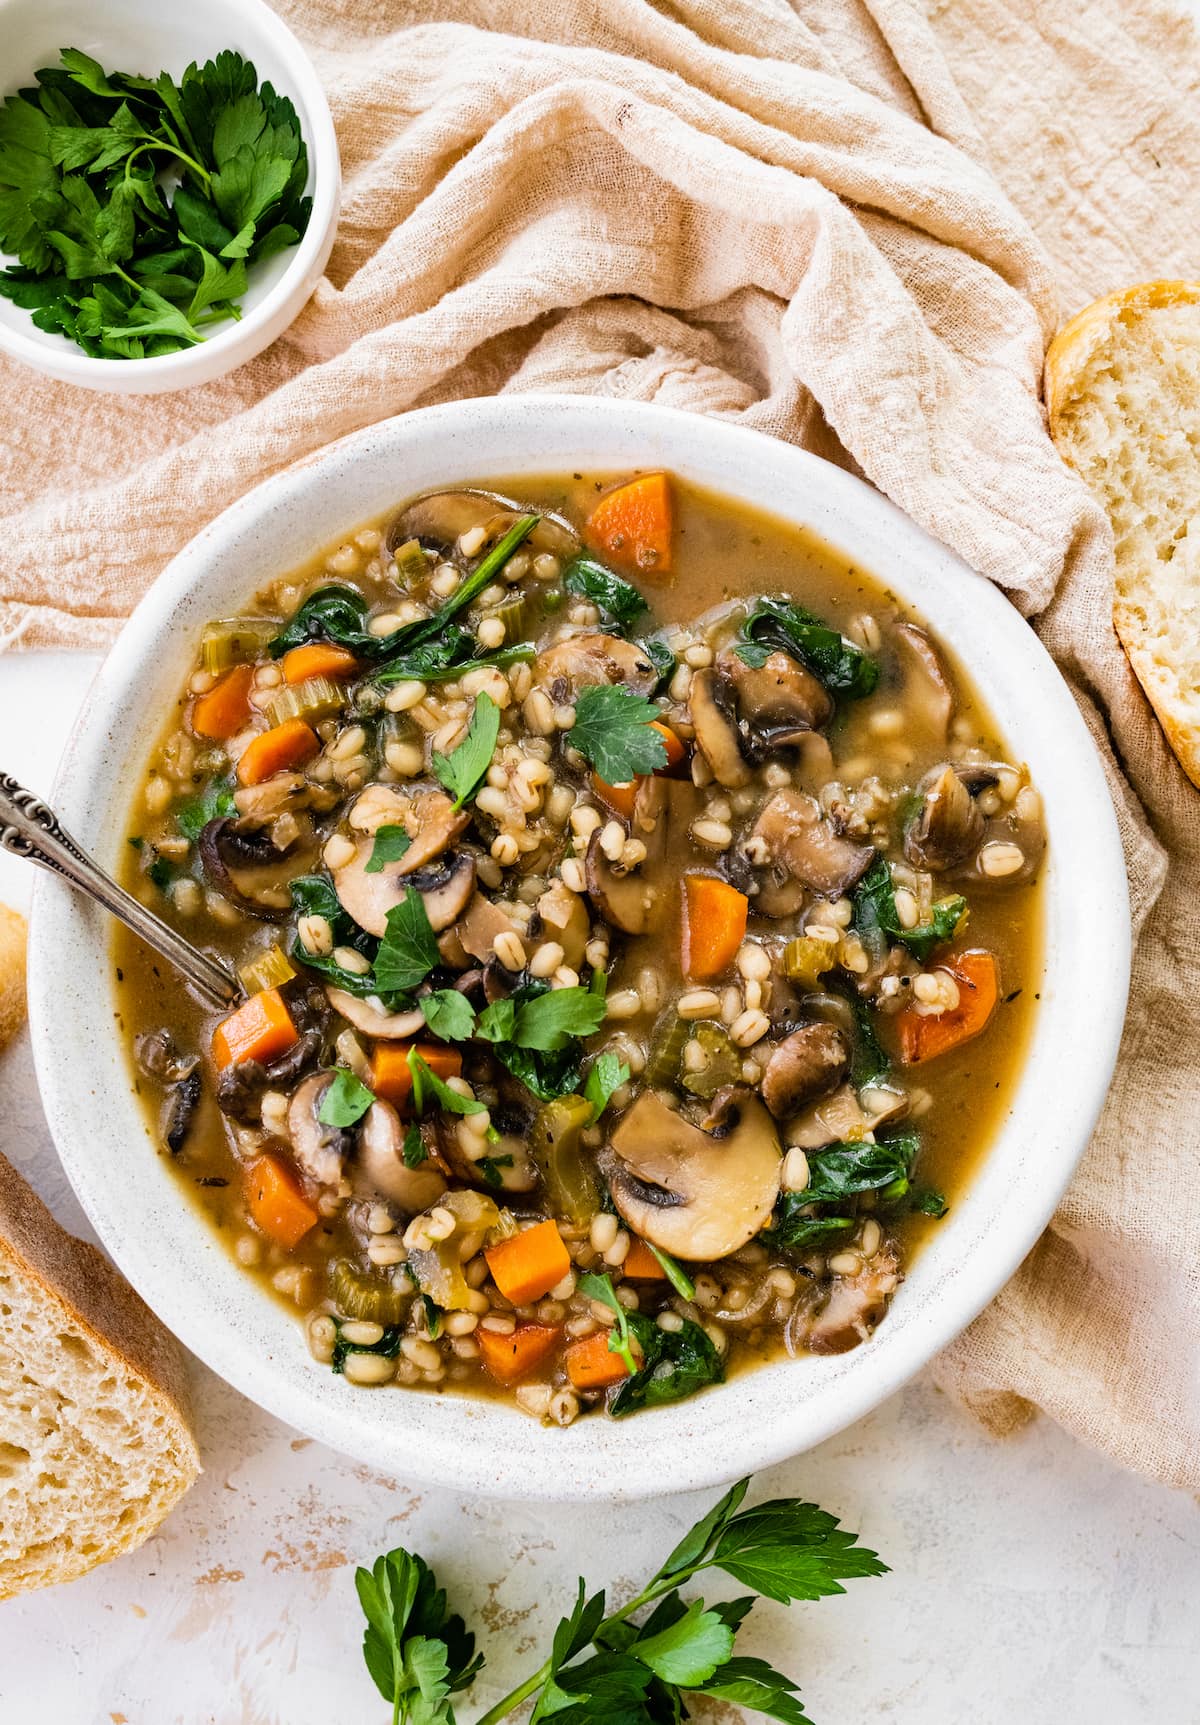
<point x="1123" y="391"/>
<point x="12" y="973"/>
<point x="94" y="1447"/>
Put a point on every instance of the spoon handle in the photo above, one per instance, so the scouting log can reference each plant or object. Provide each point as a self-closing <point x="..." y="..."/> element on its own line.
<point x="30" y="828"/>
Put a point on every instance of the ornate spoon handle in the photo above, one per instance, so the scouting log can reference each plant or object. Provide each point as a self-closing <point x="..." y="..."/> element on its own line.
<point x="29" y="828"/>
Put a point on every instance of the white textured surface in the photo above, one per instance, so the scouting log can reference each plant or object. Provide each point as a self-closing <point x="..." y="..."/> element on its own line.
<point x="1030" y="1581"/>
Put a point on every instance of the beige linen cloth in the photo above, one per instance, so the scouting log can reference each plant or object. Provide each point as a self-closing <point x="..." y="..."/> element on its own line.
<point x="846" y="222"/>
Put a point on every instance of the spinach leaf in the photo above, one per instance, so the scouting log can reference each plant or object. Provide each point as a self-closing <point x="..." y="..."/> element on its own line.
<point x="802" y="1233"/>
<point x="877" y="920"/>
<point x="662" y="658"/>
<point x="842" y="1170"/>
<point x="675" y="1364"/>
<point x="388" y="1345"/>
<point x="930" y="1202"/>
<point x="620" y="602"/>
<point x="775" y="625"/>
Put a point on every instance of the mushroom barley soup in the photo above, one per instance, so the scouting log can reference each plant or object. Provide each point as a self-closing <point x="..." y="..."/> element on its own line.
<point x="638" y="925"/>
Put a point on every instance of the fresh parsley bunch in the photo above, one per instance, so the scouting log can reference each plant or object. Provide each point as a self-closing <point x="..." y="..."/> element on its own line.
<point x="136" y="205"/>
<point x="634" y="1666"/>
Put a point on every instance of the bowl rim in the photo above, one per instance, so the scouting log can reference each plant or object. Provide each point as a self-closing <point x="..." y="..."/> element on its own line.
<point x="246" y="337"/>
<point x="1006" y="1207"/>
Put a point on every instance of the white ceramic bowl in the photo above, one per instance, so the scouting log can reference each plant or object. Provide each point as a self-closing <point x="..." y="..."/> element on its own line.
<point x="168" y="1251"/>
<point x="151" y="36"/>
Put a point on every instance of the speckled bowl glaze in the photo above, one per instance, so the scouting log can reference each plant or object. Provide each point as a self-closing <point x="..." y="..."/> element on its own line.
<point x="168" y="1251"/>
<point x="151" y="36"/>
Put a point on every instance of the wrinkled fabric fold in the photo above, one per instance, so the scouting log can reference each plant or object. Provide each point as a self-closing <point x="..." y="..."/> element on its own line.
<point x="851" y="225"/>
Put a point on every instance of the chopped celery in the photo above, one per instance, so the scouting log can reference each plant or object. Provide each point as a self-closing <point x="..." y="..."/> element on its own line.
<point x="363" y="1296"/>
<point x="720" y="1064"/>
<point x="411" y="562"/>
<point x="806" y="960"/>
<point x="570" y="1184"/>
<point x="232" y="640"/>
<point x="662" y="1068"/>
<point x="438" y="1267"/>
<point x="271" y="969"/>
<point x="315" y="698"/>
<point x="514" y="612"/>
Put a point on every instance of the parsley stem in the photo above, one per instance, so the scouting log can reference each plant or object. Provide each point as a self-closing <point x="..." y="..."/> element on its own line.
<point x="161" y="144"/>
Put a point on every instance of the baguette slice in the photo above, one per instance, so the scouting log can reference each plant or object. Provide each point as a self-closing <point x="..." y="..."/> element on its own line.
<point x="12" y="973"/>
<point x="1123" y="392"/>
<point x="94" y="1445"/>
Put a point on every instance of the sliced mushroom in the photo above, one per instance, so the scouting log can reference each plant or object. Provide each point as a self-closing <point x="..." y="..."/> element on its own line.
<point x="882" y="1103"/>
<point x="779" y="701"/>
<point x="381" y="1167"/>
<point x="368" y="1015"/>
<point x="948" y="827"/>
<point x="440" y="518"/>
<point x="795" y="837"/>
<point x="710" y="703"/>
<point x="241" y="859"/>
<point x="445" y="884"/>
<point x="580" y="661"/>
<point x="810" y="1062"/>
<point x="831" y="1120"/>
<point x="626" y="901"/>
<point x="928" y="696"/>
<point x="509" y="1164"/>
<point x="856" y="1304"/>
<point x="184" y="1099"/>
<point x="481" y="925"/>
<point x="320" y="1150"/>
<point x="692" y="1195"/>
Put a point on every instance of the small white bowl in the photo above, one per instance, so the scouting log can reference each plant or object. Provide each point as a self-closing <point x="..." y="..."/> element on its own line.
<point x="171" y="1254"/>
<point x="151" y="36"/>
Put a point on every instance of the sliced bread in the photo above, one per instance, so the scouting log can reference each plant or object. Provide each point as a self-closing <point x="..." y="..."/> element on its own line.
<point x="94" y="1444"/>
<point x="1123" y="393"/>
<point x="12" y="973"/>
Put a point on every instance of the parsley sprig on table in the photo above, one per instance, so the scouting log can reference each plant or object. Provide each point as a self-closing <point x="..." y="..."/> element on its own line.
<point x="135" y="205"/>
<point x="633" y="1666"/>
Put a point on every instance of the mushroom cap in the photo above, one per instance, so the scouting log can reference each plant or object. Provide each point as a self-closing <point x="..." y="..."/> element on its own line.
<point x="928" y="696"/>
<point x="778" y="700"/>
<point x="810" y="1062"/>
<point x="579" y="661"/>
<point x="381" y="1167"/>
<point x="803" y="843"/>
<point x="692" y="1195"/>
<point x="320" y="1150"/>
<point x="440" y="518"/>
<point x="626" y="901"/>
<point x="480" y="925"/>
<point x="240" y="858"/>
<point x="948" y="826"/>
<point x="710" y="703"/>
<point x="433" y="824"/>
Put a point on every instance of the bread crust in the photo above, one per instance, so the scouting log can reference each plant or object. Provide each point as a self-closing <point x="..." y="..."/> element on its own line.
<point x="12" y="973"/>
<point x="98" y="1302"/>
<point x="1068" y="358"/>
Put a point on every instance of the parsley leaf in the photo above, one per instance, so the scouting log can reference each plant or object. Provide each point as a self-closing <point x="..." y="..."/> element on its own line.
<point x="689" y="1650"/>
<point x="414" y="1151"/>
<point x="462" y="771"/>
<point x="449" y="1014"/>
<point x="548" y="1022"/>
<point x="675" y="1364"/>
<point x="345" y="1101"/>
<point x="391" y="842"/>
<point x="607" y="1073"/>
<point x="620" y="1337"/>
<point x="621" y="602"/>
<point x="539" y="1047"/>
<point x="409" y="949"/>
<point x="427" y="1085"/>
<point x="788" y="1550"/>
<point x="107" y="256"/>
<point x="612" y="730"/>
<point x="415" y="1649"/>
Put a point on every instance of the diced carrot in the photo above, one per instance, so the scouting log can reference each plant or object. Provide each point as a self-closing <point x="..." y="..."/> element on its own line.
<point x="714" y="925"/>
<point x="529" y="1264"/>
<point x="274" y="751"/>
<point x="276" y="1201"/>
<point x="641" y="1264"/>
<point x="923" y="1036"/>
<point x="632" y="524"/>
<point x="391" y="1075"/>
<point x="675" y="748"/>
<point x="620" y="798"/>
<point x="260" y="1029"/>
<point x="318" y="659"/>
<point x="592" y="1366"/>
<point x="226" y="707"/>
<point x="511" y="1358"/>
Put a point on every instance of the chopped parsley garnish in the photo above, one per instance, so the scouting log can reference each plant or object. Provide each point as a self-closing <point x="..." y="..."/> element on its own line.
<point x="409" y="949"/>
<point x="613" y="731"/>
<point x="391" y="843"/>
<point x="462" y="771"/>
<point x="345" y="1101"/>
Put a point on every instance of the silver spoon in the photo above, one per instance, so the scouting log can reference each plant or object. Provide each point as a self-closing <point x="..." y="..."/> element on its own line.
<point x="30" y="828"/>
